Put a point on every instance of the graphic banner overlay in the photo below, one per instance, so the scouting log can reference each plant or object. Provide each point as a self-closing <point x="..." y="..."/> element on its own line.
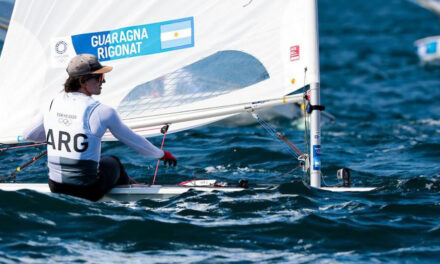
<point x="137" y="40"/>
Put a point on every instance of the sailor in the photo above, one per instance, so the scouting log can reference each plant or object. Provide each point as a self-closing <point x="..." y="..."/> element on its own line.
<point x="73" y="126"/>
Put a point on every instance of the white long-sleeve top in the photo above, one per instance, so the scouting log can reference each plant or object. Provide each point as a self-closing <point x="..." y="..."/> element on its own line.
<point x="101" y="119"/>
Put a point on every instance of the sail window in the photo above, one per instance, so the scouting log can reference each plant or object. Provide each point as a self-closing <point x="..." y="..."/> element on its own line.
<point x="215" y="75"/>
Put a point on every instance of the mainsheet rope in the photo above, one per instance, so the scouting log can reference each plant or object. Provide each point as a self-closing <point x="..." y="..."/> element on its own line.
<point x="22" y="146"/>
<point x="292" y="149"/>
<point x="21" y="167"/>
<point x="284" y="174"/>
<point x="164" y="131"/>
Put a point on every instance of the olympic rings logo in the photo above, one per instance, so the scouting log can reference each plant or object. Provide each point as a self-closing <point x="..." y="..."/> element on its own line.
<point x="61" y="47"/>
<point x="65" y="121"/>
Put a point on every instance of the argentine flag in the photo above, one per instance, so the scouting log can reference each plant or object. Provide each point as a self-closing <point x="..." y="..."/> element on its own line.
<point x="177" y="35"/>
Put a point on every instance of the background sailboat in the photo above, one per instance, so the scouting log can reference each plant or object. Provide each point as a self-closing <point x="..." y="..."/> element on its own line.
<point x="428" y="48"/>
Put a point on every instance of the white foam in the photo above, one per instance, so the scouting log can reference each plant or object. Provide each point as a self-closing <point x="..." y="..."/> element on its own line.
<point x="430" y="122"/>
<point x="212" y="169"/>
<point x="36" y="218"/>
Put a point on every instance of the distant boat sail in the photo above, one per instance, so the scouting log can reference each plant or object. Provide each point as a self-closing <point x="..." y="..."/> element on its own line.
<point x="428" y="49"/>
<point x="432" y="5"/>
<point x="176" y="62"/>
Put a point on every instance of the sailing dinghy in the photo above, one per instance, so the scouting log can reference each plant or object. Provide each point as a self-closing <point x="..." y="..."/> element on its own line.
<point x="177" y="63"/>
<point x="428" y="49"/>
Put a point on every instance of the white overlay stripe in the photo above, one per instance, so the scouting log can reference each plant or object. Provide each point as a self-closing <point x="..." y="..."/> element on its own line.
<point x="178" y="34"/>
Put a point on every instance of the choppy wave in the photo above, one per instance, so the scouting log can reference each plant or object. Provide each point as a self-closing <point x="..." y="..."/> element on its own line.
<point x="287" y="223"/>
<point x="386" y="131"/>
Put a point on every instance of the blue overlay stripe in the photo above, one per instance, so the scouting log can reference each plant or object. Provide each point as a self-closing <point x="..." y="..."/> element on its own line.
<point x="176" y="43"/>
<point x="176" y="26"/>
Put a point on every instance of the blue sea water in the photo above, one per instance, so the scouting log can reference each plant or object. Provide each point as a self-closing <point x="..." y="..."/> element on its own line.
<point x="386" y="130"/>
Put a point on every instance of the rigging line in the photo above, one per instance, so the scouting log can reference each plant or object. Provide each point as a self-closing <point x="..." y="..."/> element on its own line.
<point x="265" y="125"/>
<point x="279" y="136"/>
<point x="20" y="168"/>
<point x="304" y="113"/>
<point x="164" y="130"/>
<point x="303" y="107"/>
<point x="325" y="184"/>
<point x="22" y="146"/>
<point x="133" y="180"/>
<point x="271" y="130"/>
<point x="285" y="174"/>
<point x="290" y="144"/>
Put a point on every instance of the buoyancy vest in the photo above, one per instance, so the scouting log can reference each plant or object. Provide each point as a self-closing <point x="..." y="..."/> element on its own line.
<point x="73" y="151"/>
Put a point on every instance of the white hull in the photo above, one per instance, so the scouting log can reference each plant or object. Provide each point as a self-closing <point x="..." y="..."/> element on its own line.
<point x="347" y="189"/>
<point x="126" y="193"/>
<point x="135" y="192"/>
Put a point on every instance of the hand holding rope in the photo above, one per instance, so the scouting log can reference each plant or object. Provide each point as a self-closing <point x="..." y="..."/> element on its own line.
<point x="167" y="157"/>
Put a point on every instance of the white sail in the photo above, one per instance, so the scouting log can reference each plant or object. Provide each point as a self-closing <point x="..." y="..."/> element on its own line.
<point x="433" y="5"/>
<point x="168" y="56"/>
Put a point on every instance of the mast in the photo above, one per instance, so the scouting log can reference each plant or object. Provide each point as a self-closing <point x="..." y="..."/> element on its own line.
<point x="315" y="99"/>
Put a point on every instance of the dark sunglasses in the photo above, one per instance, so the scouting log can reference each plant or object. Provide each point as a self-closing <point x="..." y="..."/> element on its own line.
<point x="99" y="77"/>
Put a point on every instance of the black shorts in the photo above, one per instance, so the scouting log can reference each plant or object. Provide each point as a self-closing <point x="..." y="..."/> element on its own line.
<point x="111" y="172"/>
